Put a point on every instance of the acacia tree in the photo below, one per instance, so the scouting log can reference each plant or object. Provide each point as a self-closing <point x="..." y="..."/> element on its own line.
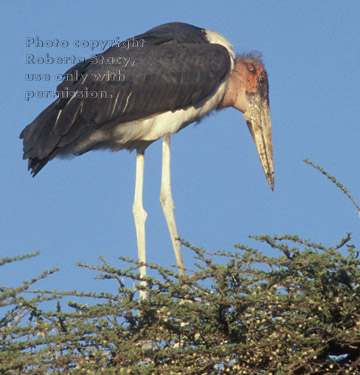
<point x="238" y="312"/>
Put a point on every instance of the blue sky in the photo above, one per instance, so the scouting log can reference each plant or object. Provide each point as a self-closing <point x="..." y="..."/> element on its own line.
<point x="77" y="209"/>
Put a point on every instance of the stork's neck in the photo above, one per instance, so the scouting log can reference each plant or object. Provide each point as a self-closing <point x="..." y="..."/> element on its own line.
<point x="235" y="91"/>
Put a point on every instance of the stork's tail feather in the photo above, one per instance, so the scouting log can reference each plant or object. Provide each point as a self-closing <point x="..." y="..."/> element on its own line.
<point x="35" y="165"/>
<point x="40" y="140"/>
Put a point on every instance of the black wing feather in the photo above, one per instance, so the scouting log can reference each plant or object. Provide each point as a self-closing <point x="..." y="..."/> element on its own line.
<point x="171" y="71"/>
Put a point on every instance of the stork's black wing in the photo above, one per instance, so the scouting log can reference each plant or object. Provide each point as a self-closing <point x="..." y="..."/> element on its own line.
<point x="162" y="74"/>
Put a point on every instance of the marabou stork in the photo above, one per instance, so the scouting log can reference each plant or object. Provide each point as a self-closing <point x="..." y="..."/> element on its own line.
<point x="176" y="74"/>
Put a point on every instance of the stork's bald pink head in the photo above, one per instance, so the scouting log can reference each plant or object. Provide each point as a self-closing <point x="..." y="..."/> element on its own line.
<point x="248" y="92"/>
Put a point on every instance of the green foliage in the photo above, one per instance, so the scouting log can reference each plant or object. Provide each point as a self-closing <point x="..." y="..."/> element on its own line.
<point x="298" y="313"/>
<point x="238" y="312"/>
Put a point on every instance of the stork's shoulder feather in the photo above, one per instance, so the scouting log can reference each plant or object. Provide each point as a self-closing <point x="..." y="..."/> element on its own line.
<point x="157" y="79"/>
<point x="174" y="68"/>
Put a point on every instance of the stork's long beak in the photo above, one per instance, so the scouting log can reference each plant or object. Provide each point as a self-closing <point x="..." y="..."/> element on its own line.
<point x="257" y="117"/>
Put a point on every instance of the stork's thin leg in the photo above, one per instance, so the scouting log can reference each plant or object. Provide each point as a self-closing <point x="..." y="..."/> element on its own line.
<point x="140" y="216"/>
<point x="167" y="202"/>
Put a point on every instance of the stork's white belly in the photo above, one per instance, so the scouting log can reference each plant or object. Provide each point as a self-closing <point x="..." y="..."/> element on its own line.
<point x="155" y="126"/>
